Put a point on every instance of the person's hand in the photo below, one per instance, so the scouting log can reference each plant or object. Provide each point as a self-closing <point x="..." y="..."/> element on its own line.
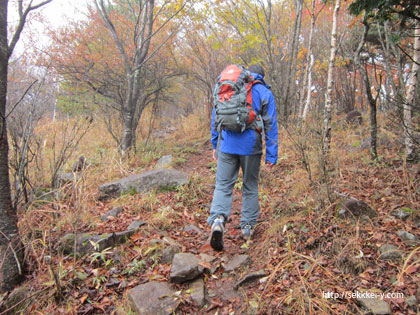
<point x="269" y="164"/>
<point x="214" y="155"/>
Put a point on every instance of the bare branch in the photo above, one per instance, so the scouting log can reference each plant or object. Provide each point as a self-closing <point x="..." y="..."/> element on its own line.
<point x="21" y="98"/>
<point x="23" y="15"/>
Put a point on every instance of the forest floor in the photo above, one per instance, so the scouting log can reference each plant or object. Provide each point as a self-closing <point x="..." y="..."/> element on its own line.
<point x="308" y="251"/>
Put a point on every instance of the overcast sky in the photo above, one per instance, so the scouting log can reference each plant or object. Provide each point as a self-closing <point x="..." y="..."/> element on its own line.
<point x="57" y="13"/>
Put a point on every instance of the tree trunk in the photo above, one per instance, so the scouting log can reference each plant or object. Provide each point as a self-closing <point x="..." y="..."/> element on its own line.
<point x="291" y="70"/>
<point x="371" y="99"/>
<point x="310" y="62"/>
<point x="328" y="94"/>
<point x="411" y="154"/>
<point x="11" y="253"/>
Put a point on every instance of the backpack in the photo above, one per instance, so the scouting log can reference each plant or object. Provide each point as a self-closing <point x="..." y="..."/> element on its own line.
<point x="233" y="101"/>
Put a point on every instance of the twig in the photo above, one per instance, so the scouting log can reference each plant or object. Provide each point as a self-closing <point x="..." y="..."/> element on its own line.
<point x="20" y="302"/>
<point x="14" y="252"/>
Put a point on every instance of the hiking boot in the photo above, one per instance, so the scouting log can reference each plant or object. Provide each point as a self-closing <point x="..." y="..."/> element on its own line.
<point x="217" y="230"/>
<point x="247" y="230"/>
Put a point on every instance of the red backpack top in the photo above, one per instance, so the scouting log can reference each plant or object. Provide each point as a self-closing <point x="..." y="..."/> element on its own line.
<point x="233" y="100"/>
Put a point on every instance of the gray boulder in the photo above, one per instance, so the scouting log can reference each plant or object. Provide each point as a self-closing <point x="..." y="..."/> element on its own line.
<point x="390" y="252"/>
<point x="155" y="179"/>
<point x="153" y="298"/>
<point x="375" y="306"/>
<point x="85" y="242"/>
<point x="185" y="267"/>
<point x="352" y="207"/>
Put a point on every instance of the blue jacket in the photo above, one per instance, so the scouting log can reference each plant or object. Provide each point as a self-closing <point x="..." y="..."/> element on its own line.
<point x="249" y="142"/>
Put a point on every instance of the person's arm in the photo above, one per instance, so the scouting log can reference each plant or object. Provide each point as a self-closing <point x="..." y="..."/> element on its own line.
<point x="271" y="130"/>
<point x="214" y="135"/>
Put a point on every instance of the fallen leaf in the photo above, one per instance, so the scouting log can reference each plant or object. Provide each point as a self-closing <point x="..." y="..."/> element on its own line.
<point x="136" y="237"/>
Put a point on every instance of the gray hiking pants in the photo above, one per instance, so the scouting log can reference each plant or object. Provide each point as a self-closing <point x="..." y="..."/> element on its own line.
<point x="226" y="175"/>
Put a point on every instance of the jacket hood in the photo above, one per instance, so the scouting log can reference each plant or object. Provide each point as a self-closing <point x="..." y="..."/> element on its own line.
<point x="259" y="77"/>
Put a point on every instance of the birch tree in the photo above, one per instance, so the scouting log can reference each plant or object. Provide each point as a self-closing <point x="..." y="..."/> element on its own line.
<point x="328" y="95"/>
<point x="11" y="248"/>
<point x="409" y="99"/>
<point x="305" y="104"/>
<point x="290" y="84"/>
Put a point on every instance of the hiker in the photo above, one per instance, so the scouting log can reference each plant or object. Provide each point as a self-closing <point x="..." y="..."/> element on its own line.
<point x="243" y="149"/>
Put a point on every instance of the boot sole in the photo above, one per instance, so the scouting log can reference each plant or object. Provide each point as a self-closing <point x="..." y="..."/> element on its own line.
<point x="216" y="240"/>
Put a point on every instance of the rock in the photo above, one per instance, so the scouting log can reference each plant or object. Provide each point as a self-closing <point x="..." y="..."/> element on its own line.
<point x="253" y="276"/>
<point x="158" y="178"/>
<point x="84" y="242"/>
<point x="170" y="241"/>
<point x="401" y="214"/>
<point x="64" y="179"/>
<point x="411" y="301"/>
<point x="135" y="225"/>
<point x="153" y="298"/>
<point x="390" y="252"/>
<point x="192" y="228"/>
<point x="169" y="253"/>
<point x="185" y="266"/>
<point x="354" y="117"/>
<point x="43" y="195"/>
<point x="198" y="292"/>
<point x="80" y="164"/>
<point x="18" y="295"/>
<point x="112" y="213"/>
<point x="207" y="258"/>
<point x="352" y="207"/>
<point x="406" y="236"/>
<point x="236" y="262"/>
<point x="376" y="306"/>
<point x="164" y="161"/>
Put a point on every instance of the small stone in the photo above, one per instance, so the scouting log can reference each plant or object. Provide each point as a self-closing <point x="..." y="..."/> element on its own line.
<point x="185" y="267"/>
<point x="164" y="161"/>
<point x="169" y="253"/>
<point x="406" y="236"/>
<point x="207" y="258"/>
<point x="170" y="241"/>
<point x="253" y="276"/>
<point x="401" y="214"/>
<point x="192" y="228"/>
<point x="375" y="305"/>
<point x="356" y="208"/>
<point x="411" y="301"/>
<point x="236" y="262"/>
<point x="112" y="213"/>
<point x="390" y="252"/>
<point x="136" y="225"/>
<point x="198" y="292"/>
<point x="153" y="298"/>
<point x="155" y="242"/>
